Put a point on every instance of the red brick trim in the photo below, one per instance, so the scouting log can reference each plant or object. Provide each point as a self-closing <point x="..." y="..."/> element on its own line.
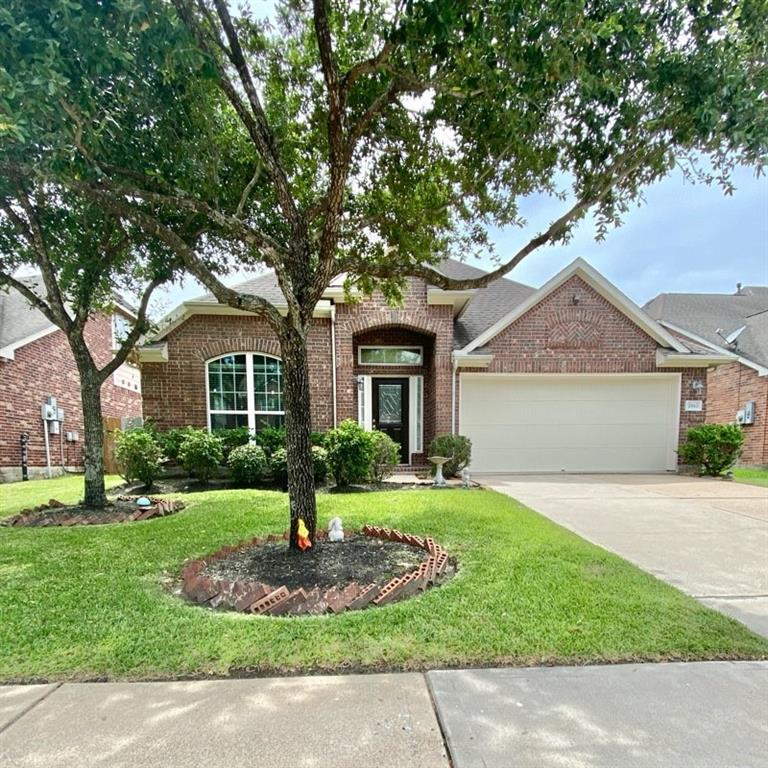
<point x="251" y="596"/>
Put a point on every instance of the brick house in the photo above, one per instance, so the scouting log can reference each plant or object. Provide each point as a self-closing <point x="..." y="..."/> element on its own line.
<point x="570" y="377"/>
<point x="735" y="325"/>
<point x="36" y="363"/>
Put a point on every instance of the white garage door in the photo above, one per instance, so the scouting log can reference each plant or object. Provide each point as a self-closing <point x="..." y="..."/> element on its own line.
<point x="570" y="423"/>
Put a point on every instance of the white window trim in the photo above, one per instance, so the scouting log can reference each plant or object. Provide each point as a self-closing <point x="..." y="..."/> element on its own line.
<point x="415" y="408"/>
<point x="250" y="395"/>
<point x="391" y="346"/>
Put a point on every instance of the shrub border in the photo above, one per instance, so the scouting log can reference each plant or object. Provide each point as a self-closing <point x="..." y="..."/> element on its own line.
<point x="258" y="598"/>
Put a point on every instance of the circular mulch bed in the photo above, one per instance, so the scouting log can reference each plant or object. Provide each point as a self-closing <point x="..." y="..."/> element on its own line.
<point x="123" y="509"/>
<point x="374" y="567"/>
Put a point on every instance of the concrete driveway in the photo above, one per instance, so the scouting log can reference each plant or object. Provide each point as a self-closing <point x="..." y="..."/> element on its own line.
<point x="707" y="537"/>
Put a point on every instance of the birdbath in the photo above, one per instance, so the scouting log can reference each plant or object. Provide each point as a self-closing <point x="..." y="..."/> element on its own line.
<point x="438" y="461"/>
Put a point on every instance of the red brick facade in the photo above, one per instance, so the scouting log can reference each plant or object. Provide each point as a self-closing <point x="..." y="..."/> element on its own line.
<point x="730" y="387"/>
<point x="573" y="330"/>
<point x="46" y="367"/>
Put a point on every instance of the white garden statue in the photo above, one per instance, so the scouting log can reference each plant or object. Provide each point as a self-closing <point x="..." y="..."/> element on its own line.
<point x="335" y="531"/>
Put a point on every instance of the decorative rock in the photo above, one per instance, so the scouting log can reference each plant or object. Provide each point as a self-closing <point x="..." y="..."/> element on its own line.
<point x="143" y="501"/>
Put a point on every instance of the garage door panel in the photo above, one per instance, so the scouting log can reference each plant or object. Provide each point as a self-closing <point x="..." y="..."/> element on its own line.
<point x="588" y="412"/>
<point x="570" y="423"/>
<point x="577" y="436"/>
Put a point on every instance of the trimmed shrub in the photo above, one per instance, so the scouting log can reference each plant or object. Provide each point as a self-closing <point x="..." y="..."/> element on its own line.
<point x="320" y="463"/>
<point x="385" y="457"/>
<point x="170" y="441"/>
<point x="712" y="447"/>
<point x="232" y="438"/>
<point x="278" y="465"/>
<point x="350" y="451"/>
<point x="457" y="447"/>
<point x="200" y="454"/>
<point x="138" y="455"/>
<point x="318" y="438"/>
<point x="248" y="463"/>
<point x="270" y="439"/>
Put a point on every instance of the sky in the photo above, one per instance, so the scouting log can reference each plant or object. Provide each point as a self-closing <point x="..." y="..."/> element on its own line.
<point x="685" y="238"/>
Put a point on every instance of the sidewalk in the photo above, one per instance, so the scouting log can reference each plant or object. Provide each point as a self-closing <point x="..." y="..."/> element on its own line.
<point x="702" y="715"/>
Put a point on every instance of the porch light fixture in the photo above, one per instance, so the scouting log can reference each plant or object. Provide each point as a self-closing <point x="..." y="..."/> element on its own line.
<point x="697" y="385"/>
<point x="575" y="300"/>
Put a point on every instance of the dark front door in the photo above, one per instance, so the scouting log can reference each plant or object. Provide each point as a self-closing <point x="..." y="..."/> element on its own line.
<point x="390" y="411"/>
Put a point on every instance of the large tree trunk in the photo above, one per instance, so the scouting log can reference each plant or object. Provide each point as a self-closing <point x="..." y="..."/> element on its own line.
<point x="298" y="431"/>
<point x="95" y="494"/>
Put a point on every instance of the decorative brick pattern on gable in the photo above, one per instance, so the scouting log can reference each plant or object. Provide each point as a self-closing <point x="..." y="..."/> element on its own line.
<point x="46" y="367"/>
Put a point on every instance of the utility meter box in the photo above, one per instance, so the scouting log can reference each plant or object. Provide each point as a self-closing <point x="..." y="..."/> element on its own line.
<point x="749" y="412"/>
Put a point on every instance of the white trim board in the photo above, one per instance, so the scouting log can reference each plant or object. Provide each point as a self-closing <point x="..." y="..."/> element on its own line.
<point x="595" y="280"/>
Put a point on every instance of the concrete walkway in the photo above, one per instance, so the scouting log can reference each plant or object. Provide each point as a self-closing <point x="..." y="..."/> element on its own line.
<point x="708" y="715"/>
<point x="707" y="537"/>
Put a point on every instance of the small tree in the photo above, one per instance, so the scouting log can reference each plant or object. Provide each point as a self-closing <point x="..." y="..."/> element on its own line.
<point x="713" y="448"/>
<point x="82" y="254"/>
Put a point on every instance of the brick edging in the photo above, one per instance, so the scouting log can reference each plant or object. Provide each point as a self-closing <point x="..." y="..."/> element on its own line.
<point x="255" y="597"/>
<point x="32" y="518"/>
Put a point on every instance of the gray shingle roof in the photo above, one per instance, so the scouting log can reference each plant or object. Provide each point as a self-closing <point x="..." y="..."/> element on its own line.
<point x="488" y="305"/>
<point x="705" y="313"/>
<point x="18" y="320"/>
<point x="262" y="285"/>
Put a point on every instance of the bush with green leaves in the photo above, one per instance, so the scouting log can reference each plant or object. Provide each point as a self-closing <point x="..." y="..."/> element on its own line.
<point x="318" y="439"/>
<point x="385" y="456"/>
<point x="138" y="455"/>
<point x="270" y="439"/>
<point x="278" y="465"/>
<point x="320" y="463"/>
<point x="712" y="448"/>
<point x="249" y="464"/>
<point x="231" y="438"/>
<point x="350" y="451"/>
<point x="200" y="453"/>
<point x="170" y="441"/>
<point x="456" y="447"/>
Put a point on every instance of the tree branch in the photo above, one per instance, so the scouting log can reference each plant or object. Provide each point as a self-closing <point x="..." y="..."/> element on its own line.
<point x="29" y="295"/>
<point x="194" y="264"/>
<point x="139" y="328"/>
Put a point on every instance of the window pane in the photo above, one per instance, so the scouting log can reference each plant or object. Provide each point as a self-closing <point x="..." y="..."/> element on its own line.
<point x="228" y="420"/>
<point x="391" y="356"/>
<point x="269" y="420"/>
<point x="267" y="383"/>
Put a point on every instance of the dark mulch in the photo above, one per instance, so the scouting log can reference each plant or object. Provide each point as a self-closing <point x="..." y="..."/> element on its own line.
<point x="360" y="559"/>
<point x="120" y="510"/>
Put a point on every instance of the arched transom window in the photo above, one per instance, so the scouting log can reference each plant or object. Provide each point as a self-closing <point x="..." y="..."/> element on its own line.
<point x="245" y="390"/>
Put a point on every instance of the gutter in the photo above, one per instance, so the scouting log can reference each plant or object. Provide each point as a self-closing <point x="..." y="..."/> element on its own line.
<point x="453" y="394"/>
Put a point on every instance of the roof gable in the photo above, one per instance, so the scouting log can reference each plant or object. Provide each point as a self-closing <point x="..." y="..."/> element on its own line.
<point x="598" y="283"/>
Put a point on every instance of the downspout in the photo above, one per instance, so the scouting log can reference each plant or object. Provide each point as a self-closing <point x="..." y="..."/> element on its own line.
<point x="453" y="393"/>
<point x="333" y="361"/>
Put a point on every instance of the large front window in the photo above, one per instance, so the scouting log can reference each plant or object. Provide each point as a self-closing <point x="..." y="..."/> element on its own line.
<point x="245" y="390"/>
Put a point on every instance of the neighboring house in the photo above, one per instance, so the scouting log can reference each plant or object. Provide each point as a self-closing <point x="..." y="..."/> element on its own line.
<point x="728" y="324"/>
<point x="570" y="377"/>
<point x="35" y="364"/>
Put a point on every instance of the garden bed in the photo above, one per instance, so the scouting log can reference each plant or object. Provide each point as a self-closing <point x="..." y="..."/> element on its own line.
<point x="371" y="568"/>
<point x="123" y="509"/>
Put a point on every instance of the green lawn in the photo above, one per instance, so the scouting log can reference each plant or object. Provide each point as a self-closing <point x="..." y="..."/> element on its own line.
<point x="68" y="488"/>
<point x="751" y="475"/>
<point x="94" y="602"/>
